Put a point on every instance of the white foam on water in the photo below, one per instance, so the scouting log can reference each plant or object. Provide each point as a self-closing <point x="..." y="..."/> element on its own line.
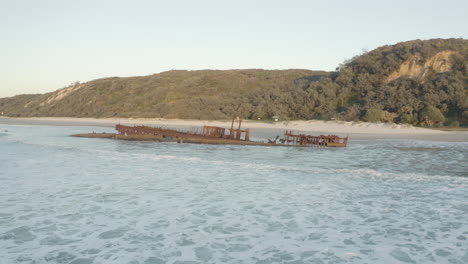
<point x="65" y="200"/>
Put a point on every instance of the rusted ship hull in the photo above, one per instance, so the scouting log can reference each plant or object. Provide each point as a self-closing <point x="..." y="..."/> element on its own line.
<point x="124" y="137"/>
<point x="96" y="135"/>
<point x="217" y="135"/>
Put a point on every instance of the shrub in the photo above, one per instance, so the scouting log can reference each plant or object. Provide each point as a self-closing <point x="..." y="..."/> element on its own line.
<point x="431" y="115"/>
<point x="373" y="115"/>
<point x="451" y="123"/>
<point x="408" y="119"/>
<point x="386" y="116"/>
<point x="350" y="114"/>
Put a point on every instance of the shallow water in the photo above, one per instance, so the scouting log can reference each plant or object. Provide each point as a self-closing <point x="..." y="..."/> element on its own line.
<point x="81" y="200"/>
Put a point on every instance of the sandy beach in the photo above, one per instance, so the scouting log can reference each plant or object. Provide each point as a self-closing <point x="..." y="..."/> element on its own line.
<point x="356" y="130"/>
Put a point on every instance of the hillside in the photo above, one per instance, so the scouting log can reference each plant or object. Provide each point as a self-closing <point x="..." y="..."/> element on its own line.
<point x="419" y="82"/>
<point x="206" y="94"/>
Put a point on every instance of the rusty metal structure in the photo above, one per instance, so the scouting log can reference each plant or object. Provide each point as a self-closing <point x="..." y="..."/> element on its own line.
<point x="220" y="132"/>
<point x="208" y="132"/>
<point x="151" y="131"/>
<point x="308" y="140"/>
<point x="219" y="135"/>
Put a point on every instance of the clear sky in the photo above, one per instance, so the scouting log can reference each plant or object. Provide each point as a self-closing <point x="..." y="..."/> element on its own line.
<point x="46" y="45"/>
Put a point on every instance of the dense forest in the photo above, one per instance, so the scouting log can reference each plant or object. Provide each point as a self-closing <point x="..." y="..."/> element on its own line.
<point x="421" y="82"/>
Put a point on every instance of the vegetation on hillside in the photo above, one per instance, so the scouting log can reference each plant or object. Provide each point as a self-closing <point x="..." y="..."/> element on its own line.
<point x="434" y="99"/>
<point x="434" y="92"/>
<point x="207" y="94"/>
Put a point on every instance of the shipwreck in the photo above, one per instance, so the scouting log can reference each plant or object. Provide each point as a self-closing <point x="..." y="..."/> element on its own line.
<point x="218" y="135"/>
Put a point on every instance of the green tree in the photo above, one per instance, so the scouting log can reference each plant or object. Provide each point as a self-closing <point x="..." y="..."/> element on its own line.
<point x="431" y="116"/>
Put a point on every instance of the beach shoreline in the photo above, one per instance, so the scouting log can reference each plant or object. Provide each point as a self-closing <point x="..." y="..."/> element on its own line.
<point x="261" y="129"/>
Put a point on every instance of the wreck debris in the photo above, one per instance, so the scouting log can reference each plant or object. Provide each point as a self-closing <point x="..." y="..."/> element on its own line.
<point x="274" y="140"/>
<point x="218" y="135"/>
<point x="322" y="140"/>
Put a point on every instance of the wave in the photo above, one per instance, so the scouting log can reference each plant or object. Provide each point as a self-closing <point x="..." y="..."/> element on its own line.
<point x="374" y="174"/>
<point x="248" y="165"/>
<point x="336" y="172"/>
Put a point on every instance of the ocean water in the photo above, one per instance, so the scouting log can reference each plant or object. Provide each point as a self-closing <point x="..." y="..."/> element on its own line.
<point x="80" y="200"/>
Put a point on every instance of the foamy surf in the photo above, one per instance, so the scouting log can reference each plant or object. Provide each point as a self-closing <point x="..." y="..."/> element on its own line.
<point x="68" y="200"/>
